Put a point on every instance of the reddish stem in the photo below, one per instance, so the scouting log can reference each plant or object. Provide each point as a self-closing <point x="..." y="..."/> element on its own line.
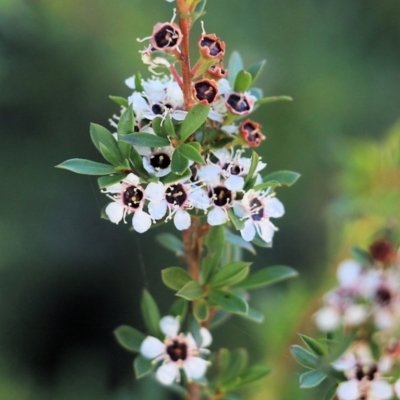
<point x="176" y="76"/>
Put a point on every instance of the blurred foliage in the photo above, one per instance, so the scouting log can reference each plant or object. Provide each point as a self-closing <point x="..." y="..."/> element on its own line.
<point x="67" y="278"/>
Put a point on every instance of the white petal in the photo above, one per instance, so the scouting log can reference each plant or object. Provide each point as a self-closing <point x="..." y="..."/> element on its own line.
<point x="217" y="216"/>
<point x="229" y="129"/>
<point x="348" y="390"/>
<point x="210" y="174"/>
<point x="327" y="319"/>
<point x="274" y="208"/>
<point x="249" y="231"/>
<point x="170" y="326"/>
<point x="234" y="182"/>
<point x="179" y="115"/>
<point x="206" y="336"/>
<point x="215" y="116"/>
<point x="355" y="315"/>
<point x="199" y="199"/>
<point x="115" y="212"/>
<point x="345" y="362"/>
<point x="195" y="367"/>
<point x="384" y="319"/>
<point x="130" y="82"/>
<point x="223" y="86"/>
<point x="168" y="373"/>
<point x="267" y="230"/>
<point x="141" y="221"/>
<point x="348" y="272"/>
<point x="182" y="220"/>
<point x="239" y="209"/>
<point x="381" y="389"/>
<point x="397" y="387"/>
<point x="152" y="347"/>
<point x="157" y="210"/>
<point x="155" y="191"/>
<point x="132" y="178"/>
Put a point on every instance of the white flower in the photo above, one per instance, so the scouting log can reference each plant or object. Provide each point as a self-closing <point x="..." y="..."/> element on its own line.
<point x="128" y="197"/>
<point x="221" y="199"/>
<point x="256" y="208"/>
<point x="157" y="161"/>
<point x="177" y="351"/>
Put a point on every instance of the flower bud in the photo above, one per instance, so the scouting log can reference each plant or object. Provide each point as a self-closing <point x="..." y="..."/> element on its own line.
<point x="251" y="133"/>
<point x="205" y="91"/>
<point x="239" y="103"/>
<point x="211" y="46"/>
<point x="166" y="36"/>
<point x="382" y="250"/>
<point x="217" y="71"/>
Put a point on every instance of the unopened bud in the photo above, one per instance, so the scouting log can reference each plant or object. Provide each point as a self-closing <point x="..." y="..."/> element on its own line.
<point x="211" y="46"/>
<point x="382" y="250"/>
<point x="166" y="36"/>
<point x="217" y="71"/>
<point x="251" y="133"/>
<point x="205" y="91"/>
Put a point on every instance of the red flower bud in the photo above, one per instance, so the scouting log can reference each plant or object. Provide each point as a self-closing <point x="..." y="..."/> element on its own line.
<point x="205" y="91"/>
<point x="166" y="36"/>
<point x="382" y="250"/>
<point x="211" y="46"/>
<point x="217" y="71"/>
<point x="251" y="133"/>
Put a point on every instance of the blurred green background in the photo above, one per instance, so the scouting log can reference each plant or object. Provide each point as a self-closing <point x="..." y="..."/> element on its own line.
<point x="68" y="278"/>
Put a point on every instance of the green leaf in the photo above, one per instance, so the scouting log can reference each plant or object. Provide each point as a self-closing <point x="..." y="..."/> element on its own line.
<point x="144" y="139"/>
<point x="235" y="64"/>
<point x="120" y="100"/>
<point x="313" y="345"/>
<point x="361" y="256"/>
<point x="256" y="92"/>
<point x="254" y="315"/>
<point x="214" y="242"/>
<point x="285" y="178"/>
<point x="138" y="83"/>
<point x="179" y="163"/>
<point x="142" y="366"/>
<point x="151" y="314"/>
<point x="273" y="99"/>
<point x="196" y="146"/>
<point x="86" y="167"/>
<point x="159" y="127"/>
<point x="191" y="153"/>
<point x="304" y="357"/>
<point x="242" y="81"/>
<point x="200" y="310"/>
<point x="169" y="126"/>
<point x="331" y="392"/>
<point x="232" y="363"/>
<point x="229" y="302"/>
<point x="109" y="180"/>
<point x="230" y="274"/>
<point x="129" y="338"/>
<point x="251" y="375"/>
<point x="172" y="178"/>
<point x="191" y="291"/>
<point x="236" y="221"/>
<point x="175" y="277"/>
<point x="253" y="166"/>
<point x="126" y="123"/>
<point x="200" y="6"/>
<point x="137" y="163"/>
<point x="238" y="241"/>
<point x="106" y="144"/>
<point x="256" y="69"/>
<point x="194" y="119"/>
<point x="260" y="242"/>
<point x="266" y="185"/>
<point x="267" y="276"/>
<point x="179" y="308"/>
<point x="172" y="243"/>
<point x="311" y="379"/>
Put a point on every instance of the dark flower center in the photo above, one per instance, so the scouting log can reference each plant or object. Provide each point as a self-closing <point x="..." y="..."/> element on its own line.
<point x="238" y="103"/>
<point x="157" y="109"/>
<point x="205" y="91"/>
<point x="220" y="196"/>
<point x="383" y="296"/>
<point x="176" y="195"/>
<point x="132" y="197"/>
<point x="166" y="37"/>
<point x="253" y="135"/>
<point x="213" y="45"/>
<point x="366" y="372"/>
<point x="257" y="210"/>
<point x="177" y="351"/>
<point x="160" y="161"/>
<point x="233" y="169"/>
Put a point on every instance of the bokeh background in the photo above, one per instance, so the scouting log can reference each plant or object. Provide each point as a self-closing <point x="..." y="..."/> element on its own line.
<point x="68" y="278"/>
